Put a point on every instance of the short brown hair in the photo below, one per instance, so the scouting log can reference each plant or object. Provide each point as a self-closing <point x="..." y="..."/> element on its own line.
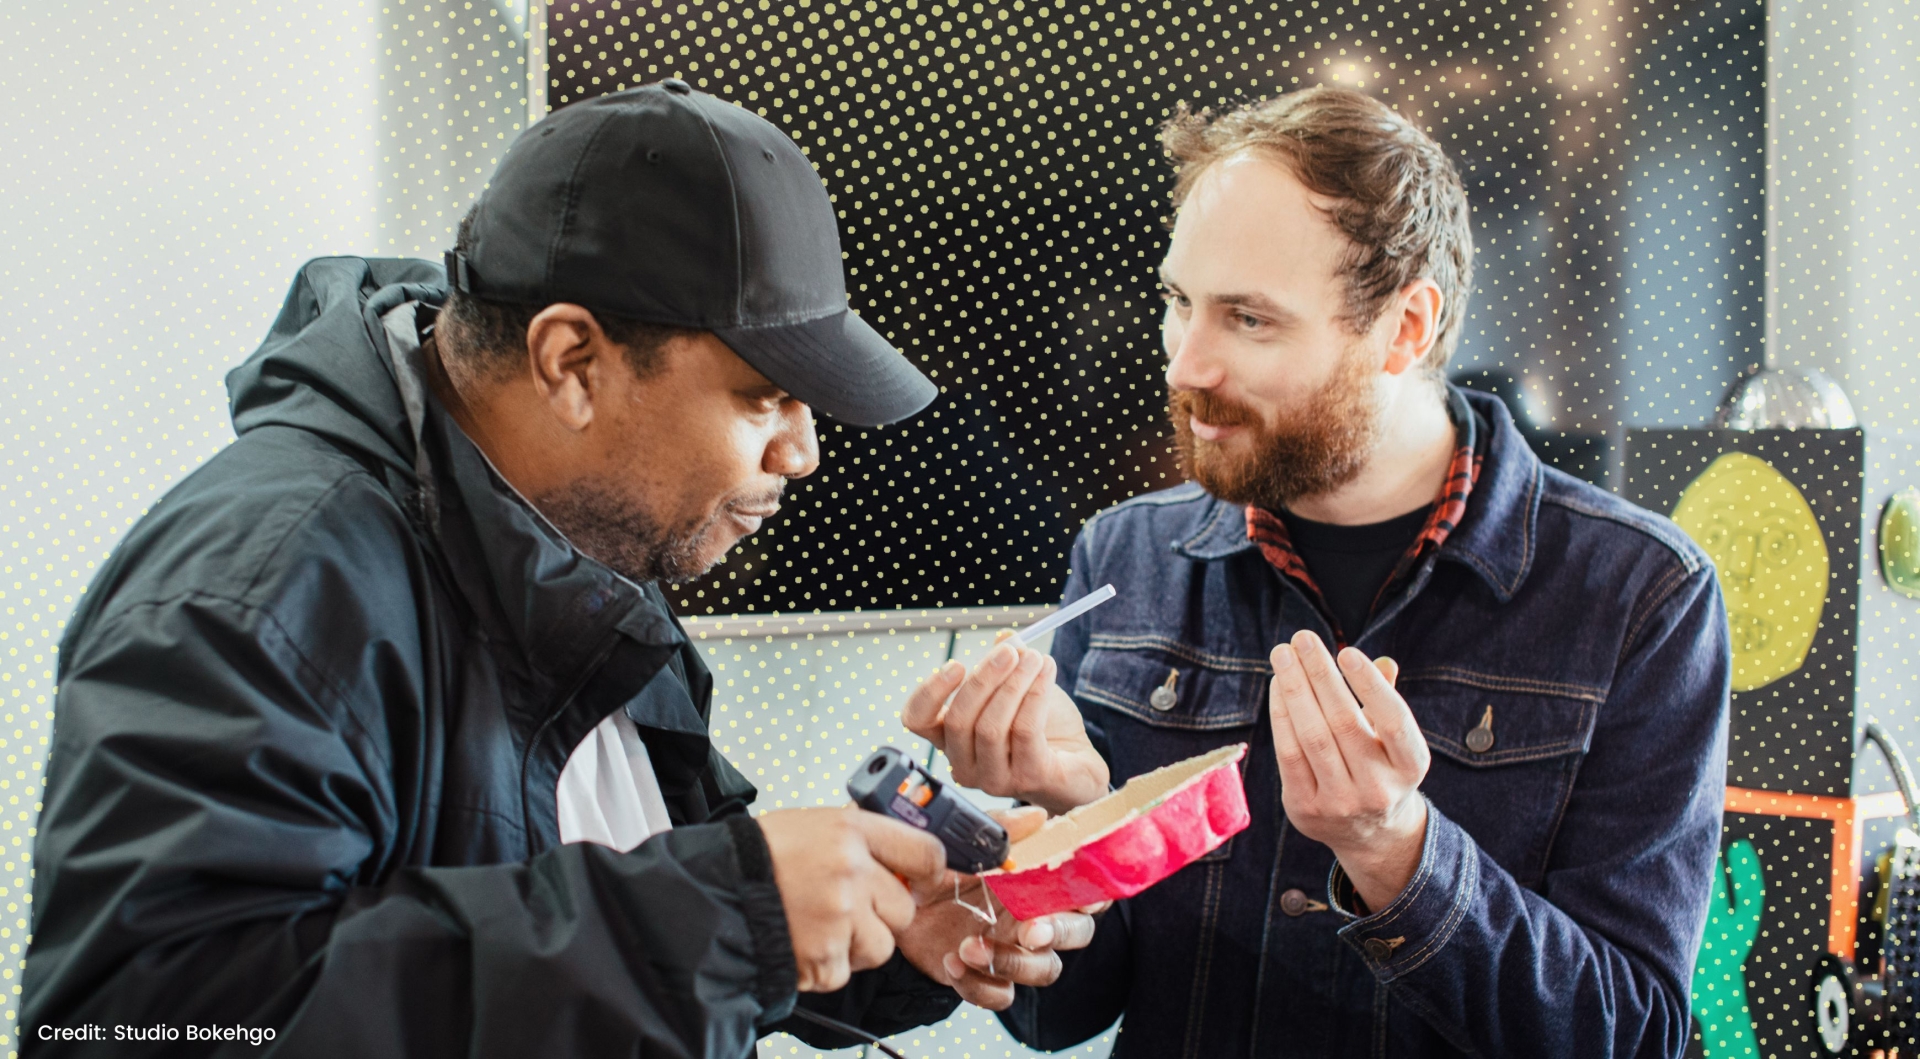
<point x="1397" y="198"/>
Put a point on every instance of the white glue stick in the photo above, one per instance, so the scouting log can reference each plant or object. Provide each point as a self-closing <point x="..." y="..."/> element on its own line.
<point x="1062" y="616"/>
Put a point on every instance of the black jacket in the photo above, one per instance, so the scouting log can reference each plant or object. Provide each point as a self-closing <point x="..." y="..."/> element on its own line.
<point x="310" y="722"/>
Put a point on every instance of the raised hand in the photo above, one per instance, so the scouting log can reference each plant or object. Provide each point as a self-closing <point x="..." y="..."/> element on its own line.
<point x="1009" y="730"/>
<point x="1350" y="778"/>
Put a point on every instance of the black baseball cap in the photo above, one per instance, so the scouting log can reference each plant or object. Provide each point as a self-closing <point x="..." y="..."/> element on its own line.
<point x="666" y="205"/>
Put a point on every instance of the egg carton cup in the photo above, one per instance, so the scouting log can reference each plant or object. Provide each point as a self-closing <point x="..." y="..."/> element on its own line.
<point x="1160" y="822"/>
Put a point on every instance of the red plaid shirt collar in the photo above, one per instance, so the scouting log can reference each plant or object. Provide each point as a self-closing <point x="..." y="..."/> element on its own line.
<point x="1265" y="529"/>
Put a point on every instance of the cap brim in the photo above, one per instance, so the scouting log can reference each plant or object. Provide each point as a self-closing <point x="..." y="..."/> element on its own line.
<point x="837" y="364"/>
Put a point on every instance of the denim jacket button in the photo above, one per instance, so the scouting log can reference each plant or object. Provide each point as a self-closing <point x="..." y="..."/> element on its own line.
<point x="1293" y="902"/>
<point x="1378" y="950"/>
<point x="1165" y="697"/>
<point x="1480" y="740"/>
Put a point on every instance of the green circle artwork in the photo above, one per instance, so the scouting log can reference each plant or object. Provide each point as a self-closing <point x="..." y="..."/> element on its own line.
<point x="1771" y="559"/>
<point x="1900" y="542"/>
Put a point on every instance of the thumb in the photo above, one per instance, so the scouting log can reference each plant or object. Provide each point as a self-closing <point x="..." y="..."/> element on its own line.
<point x="1020" y="821"/>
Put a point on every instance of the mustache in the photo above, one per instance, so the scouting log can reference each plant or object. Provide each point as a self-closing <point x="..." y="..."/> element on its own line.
<point x="1209" y="408"/>
<point x="758" y="501"/>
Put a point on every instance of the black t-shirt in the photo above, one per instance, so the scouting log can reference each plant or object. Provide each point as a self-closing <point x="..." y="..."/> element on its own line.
<point x="1352" y="563"/>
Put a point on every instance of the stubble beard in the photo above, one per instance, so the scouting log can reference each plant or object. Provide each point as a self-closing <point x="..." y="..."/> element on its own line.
<point x="632" y="540"/>
<point x="1318" y="446"/>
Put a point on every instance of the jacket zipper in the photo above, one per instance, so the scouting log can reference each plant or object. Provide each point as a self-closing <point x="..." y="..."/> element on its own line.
<point x="562" y="701"/>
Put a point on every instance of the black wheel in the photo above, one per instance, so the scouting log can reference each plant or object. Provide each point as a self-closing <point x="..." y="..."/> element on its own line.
<point x="1833" y="995"/>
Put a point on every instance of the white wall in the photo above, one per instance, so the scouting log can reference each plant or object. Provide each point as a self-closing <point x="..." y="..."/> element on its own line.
<point x="1843" y="204"/>
<point x="163" y="171"/>
<point x="453" y="94"/>
<point x="1843" y="199"/>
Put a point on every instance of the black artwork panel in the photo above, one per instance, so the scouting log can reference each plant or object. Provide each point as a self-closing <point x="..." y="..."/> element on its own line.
<point x="1795" y="734"/>
<point x="1795" y="860"/>
<point x="1002" y="196"/>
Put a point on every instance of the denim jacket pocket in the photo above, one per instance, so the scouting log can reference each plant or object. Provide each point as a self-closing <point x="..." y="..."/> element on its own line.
<point x="1163" y="683"/>
<point x="1505" y="754"/>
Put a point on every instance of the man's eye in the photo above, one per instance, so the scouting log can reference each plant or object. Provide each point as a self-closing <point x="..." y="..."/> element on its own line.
<point x="1247" y="322"/>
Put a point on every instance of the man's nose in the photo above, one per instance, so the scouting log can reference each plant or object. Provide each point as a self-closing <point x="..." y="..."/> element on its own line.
<point x="1192" y="360"/>
<point x="795" y="451"/>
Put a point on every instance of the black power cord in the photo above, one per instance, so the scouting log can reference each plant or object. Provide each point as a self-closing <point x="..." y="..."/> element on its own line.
<point x="852" y="1031"/>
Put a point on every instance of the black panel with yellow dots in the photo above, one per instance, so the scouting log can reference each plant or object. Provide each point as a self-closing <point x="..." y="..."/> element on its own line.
<point x="1003" y="197"/>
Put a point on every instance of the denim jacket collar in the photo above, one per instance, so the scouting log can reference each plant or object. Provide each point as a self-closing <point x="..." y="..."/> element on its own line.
<point x="1495" y="538"/>
<point x="1222" y="531"/>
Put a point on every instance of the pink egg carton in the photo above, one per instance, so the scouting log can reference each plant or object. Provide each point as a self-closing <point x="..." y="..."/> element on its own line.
<point x="1160" y="822"/>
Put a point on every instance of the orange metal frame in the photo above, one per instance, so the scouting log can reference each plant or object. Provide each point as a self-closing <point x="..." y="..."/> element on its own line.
<point x="1849" y="816"/>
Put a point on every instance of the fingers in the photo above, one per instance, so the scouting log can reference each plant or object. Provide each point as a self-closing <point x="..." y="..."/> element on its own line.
<point x="972" y="697"/>
<point x="1020" y="821"/>
<point x="993" y="726"/>
<point x="1027" y="751"/>
<point x="824" y="975"/>
<point x="1295" y="696"/>
<point x="1336" y="701"/>
<point x="975" y="987"/>
<point x="1399" y="732"/>
<point x="1062" y="931"/>
<point x="905" y="851"/>
<point x="892" y="903"/>
<point x="982" y="712"/>
<point x="1010" y="962"/>
<point x="923" y="711"/>
<point x="1296" y="771"/>
<point x="871" y="944"/>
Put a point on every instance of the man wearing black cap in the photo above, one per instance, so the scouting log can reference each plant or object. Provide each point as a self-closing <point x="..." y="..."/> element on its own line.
<point x="377" y="737"/>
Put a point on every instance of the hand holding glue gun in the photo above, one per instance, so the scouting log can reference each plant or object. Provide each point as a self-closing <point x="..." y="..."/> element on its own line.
<point x="962" y="938"/>
<point x="959" y="936"/>
<point x="1007" y="729"/>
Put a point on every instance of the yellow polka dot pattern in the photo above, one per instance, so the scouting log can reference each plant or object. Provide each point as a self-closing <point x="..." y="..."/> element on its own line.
<point x="453" y="94"/>
<point x="1000" y="189"/>
<point x="998" y="175"/>
<point x="214" y="148"/>
<point x="797" y="713"/>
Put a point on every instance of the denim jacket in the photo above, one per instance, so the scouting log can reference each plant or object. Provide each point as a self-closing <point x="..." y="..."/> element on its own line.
<point x="1562" y="890"/>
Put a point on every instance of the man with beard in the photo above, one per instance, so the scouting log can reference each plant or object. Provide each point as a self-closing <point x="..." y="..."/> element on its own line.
<point x="376" y="737"/>
<point x="1502" y="845"/>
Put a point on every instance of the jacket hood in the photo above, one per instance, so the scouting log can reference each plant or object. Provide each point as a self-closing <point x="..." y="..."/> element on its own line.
<point x="332" y="367"/>
<point x="324" y="366"/>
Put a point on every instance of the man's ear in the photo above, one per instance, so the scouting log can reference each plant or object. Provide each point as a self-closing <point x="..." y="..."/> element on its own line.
<point x="568" y="357"/>
<point x="1419" y="306"/>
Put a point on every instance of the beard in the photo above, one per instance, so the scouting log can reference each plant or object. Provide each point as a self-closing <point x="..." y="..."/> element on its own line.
<point x="1318" y="446"/>
<point x="633" y="541"/>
